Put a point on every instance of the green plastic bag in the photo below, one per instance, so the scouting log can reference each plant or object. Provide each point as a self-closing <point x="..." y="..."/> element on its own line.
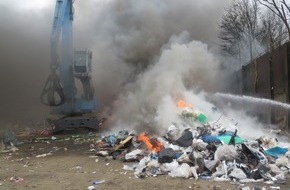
<point x="202" y="118"/>
<point x="226" y="139"/>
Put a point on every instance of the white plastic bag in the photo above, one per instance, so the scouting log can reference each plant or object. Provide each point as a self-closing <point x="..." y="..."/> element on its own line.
<point x="168" y="167"/>
<point x="153" y="163"/>
<point x="275" y="169"/>
<point x="173" y="132"/>
<point x="226" y="152"/>
<point x="282" y="161"/>
<point x="238" y="174"/>
<point x="194" y="173"/>
<point x="210" y="164"/>
<point x="182" y="171"/>
<point x="185" y="156"/>
<point x="133" y="155"/>
<point x="142" y="165"/>
<point x="198" y="144"/>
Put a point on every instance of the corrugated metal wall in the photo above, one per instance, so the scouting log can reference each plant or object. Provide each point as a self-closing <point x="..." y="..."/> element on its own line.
<point x="268" y="77"/>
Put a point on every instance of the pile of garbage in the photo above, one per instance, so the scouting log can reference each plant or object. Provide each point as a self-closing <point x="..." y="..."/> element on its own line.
<point x="200" y="149"/>
<point x="9" y="142"/>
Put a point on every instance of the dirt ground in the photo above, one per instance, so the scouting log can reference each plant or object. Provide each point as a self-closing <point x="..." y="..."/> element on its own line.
<point x="72" y="166"/>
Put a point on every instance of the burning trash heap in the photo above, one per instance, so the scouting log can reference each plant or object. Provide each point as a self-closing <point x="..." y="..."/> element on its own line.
<point x="200" y="149"/>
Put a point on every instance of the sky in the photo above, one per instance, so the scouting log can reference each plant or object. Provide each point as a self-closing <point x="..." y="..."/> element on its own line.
<point x="27" y="4"/>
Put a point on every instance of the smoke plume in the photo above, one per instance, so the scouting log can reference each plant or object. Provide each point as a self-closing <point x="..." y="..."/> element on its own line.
<point x="146" y="55"/>
<point x="126" y="38"/>
<point x="24" y="57"/>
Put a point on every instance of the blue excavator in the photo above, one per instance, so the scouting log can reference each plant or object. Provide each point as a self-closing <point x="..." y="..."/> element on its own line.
<point x="70" y="110"/>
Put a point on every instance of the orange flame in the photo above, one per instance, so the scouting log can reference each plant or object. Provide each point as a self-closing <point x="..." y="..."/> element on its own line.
<point x="183" y="104"/>
<point x="152" y="144"/>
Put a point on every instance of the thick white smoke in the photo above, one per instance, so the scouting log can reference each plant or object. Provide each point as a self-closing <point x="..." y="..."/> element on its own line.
<point x="151" y="100"/>
<point x="127" y="36"/>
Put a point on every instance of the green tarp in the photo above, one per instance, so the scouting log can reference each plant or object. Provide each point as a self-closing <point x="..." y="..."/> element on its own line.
<point x="226" y="139"/>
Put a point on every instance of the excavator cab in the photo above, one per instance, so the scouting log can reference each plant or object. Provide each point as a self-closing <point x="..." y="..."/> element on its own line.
<point x="82" y="64"/>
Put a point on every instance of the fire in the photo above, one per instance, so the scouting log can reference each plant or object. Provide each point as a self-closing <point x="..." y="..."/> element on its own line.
<point x="152" y="143"/>
<point x="183" y="104"/>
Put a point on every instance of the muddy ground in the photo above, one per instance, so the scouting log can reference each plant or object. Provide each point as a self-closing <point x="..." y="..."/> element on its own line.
<point x="73" y="166"/>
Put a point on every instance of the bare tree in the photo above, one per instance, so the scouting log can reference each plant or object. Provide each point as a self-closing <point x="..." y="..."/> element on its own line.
<point x="239" y="25"/>
<point x="273" y="32"/>
<point x="280" y="8"/>
<point x="230" y="31"/>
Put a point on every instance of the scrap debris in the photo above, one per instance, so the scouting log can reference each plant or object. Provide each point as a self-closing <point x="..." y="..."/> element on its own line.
<point x="9" y="142"/>
<point x="199" y="149"/>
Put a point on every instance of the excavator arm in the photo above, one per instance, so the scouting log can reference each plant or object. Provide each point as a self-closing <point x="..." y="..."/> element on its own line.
<point x="66" y="66"/>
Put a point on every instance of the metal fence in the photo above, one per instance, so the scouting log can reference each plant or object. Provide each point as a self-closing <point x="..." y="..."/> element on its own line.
<point x="267" y="77"/>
